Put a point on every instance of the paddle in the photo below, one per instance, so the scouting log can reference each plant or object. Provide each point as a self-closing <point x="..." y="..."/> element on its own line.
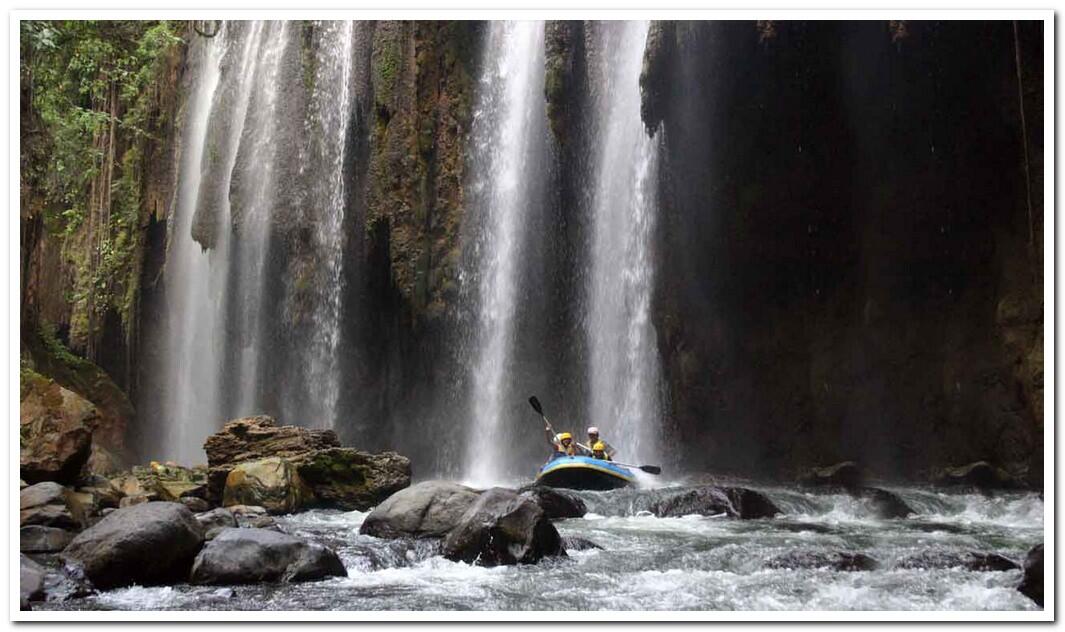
<point x="650" y="469"/>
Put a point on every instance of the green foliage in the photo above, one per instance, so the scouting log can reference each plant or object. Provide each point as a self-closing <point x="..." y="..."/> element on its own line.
<point x="73" y="68"/>
<point x="87" y="81"/>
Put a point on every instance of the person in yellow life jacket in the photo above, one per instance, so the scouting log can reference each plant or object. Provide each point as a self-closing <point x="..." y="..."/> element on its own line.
<point x="599" y="451"/>
<point x="562" y="442"/>
<point x="593" y="438"/>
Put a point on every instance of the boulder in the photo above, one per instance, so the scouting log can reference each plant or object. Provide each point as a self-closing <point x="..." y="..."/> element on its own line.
<point x="837" y="560"/>
<point x="971" y="561"/>
<point x="270" y="483"/>
<point x="149" y="543"/>
<point x="245" y="556"/>
<point x="52" y="505"/>
<point x="846" y="474"/>
<point x="55" y="431"/>
<point x="255" y="438"/>
<point x="41" y="539"/>
<point x="748" y="504"/>
<point x="38" y="583"/>
<point x="31" y="581"/>
<point x="427" y="510"/>
<point x="556" y="503"/>
<point x="575" y="543"/>
<point x="705" y="501"/>
<point x="136" y="499"/>
<point x="215" y="520"/>
<point x="348" y="479"/>
<point x="195" y="505"/>
<point x="981" y="475"/>
<point x="502" y="528"/>
<point x="884" y="504"/>
<point x="1032" y="584"/>
<point x="104" y="494"/>
<point x="251" y="516"/>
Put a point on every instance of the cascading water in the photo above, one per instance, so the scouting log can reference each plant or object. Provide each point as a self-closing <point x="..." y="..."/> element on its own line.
<point x="260" y="153"/>
<point x="194" y="338"/>
<point x="624" y="371"/>
<point x="330" y="116"/>
<point x="509" y="129"/>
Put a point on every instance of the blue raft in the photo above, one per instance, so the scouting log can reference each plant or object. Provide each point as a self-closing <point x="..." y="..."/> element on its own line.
<point x="583" y="472"/>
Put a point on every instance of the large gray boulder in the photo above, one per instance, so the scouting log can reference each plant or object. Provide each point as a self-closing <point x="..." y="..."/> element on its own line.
<point x="50" y="504"/>
<point x="246" y="556"/>
<point x="149" y="543"/>
<point x="427" y="510"/>
<point x="735" y="502"/>
<point x="503" y="527"/>
<point x="41" y="539"/>
<point x="350" y="479"/>
<point x="835" y="560"/>
<point x="1032" y="585"/>
<point x="556" y="503"/>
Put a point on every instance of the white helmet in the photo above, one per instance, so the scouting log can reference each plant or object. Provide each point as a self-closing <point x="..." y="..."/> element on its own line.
<point x="593" y="430"/>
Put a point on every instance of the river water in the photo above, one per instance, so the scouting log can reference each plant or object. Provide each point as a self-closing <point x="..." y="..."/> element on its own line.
<point x="650" y="563"/>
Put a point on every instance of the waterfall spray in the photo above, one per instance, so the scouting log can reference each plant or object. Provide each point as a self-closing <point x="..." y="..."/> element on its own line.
<point x="508" y="130"/>
<point x="624" y="371"/>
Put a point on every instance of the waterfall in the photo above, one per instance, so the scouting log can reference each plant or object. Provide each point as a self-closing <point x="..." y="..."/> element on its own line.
<point x="509" y="131"/>
<point x="194" y="341"/>
<point x="262" y="169"/>
<point x="624" y="365"/>
<point x="331" y="104"/>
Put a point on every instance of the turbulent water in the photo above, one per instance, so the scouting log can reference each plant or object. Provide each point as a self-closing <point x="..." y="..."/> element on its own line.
<point x="649" y="563"/>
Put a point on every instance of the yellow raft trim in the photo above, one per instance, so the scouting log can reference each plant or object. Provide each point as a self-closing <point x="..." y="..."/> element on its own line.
<point x="585" y="466"/>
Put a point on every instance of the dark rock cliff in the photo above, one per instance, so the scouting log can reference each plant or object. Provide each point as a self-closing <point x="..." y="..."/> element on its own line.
<point x="846" y="259"/>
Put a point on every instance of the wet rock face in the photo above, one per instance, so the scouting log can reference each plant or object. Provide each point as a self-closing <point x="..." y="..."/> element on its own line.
<point x="502" y="528"/>
<point x="55" y="431"/>
<point x="564" y="71"/>
<point x="429" y="509"/>
<point x="748" y="504"/>
<point x="658" y="57"/>
<point x="556" y="503"/>
<point x="150" y="543"/>
<point x="245" y="556"/>
<point x="1032" y="585"/>
<point x="838" y="560"/>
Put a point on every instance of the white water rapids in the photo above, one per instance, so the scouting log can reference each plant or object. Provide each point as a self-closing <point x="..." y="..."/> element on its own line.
<point x="649" y="563"/>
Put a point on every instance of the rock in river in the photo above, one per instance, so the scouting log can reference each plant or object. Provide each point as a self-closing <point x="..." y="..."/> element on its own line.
<point x="271" y="483"/>
<point x="245" y="556"/>
<point x="31" y="581"/>
<point x="149" y="543"/>
<point x="427" y="510"/>
<point x="836" y="560"/>
<point x="215" y="520"/>
<point x="1032" y="585"/>
<point x="501" y="527"/>
<point x="556" y="503"/>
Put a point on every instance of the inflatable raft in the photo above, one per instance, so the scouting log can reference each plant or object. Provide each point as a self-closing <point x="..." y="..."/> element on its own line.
<point x="582" y="472"/>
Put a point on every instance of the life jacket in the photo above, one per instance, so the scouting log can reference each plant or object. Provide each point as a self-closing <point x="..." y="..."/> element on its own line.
<point x="570" y="451"/>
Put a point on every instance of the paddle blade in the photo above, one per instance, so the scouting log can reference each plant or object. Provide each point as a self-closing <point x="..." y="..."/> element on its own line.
<point x="536" y="405"/>
<point x="651" y="469"/>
